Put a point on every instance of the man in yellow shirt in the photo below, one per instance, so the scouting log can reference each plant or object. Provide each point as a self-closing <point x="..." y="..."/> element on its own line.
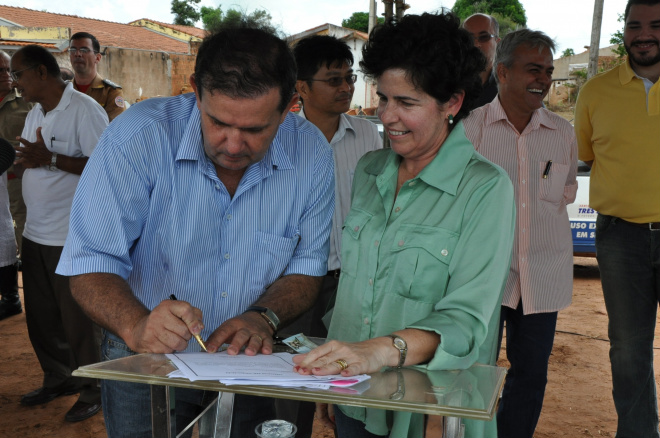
<point x="617" y="122"/>
<point x="85" y="54"/>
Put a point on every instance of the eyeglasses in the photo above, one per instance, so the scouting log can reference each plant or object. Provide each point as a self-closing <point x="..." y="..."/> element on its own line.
<point x="484" y="37"/>
<point x="337" y="81"/>
<point x="83" y="50"/>
<point x="16" y="75"/>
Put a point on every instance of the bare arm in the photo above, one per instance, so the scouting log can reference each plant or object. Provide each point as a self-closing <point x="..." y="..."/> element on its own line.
<point x="368" y="356"/>
<point x="108" y="300"/>
<point x="288" y="297"/>
<point x="36" y="154"/>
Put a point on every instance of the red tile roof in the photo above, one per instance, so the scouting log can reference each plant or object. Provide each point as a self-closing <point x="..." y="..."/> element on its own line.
<point x="108" y="33"/>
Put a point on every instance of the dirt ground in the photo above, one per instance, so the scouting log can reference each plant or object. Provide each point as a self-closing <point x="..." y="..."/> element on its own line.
<point x="578" y="397"/>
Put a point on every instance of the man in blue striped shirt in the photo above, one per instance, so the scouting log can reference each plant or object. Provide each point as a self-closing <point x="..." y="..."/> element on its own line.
<point x="222" y="198"/>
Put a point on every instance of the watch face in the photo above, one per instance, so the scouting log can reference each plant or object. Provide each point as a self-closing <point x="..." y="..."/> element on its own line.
<point x="400" y="344"/>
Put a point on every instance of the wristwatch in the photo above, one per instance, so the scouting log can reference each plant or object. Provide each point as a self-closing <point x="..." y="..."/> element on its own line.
<point x="400" y="344"/>
<point x="270" y="317"/>
<point x="53" y="162"/>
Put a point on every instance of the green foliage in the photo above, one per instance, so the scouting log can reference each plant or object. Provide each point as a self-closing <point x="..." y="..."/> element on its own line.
<point x="185" y="12"/>
<point x="506" y="8"/>
<point x="567" y="52"/>
<point x="215" y="19"/>
<point x="359" y="21"/>
<point x="617" y="38"/>
<point x="506" y="24"/>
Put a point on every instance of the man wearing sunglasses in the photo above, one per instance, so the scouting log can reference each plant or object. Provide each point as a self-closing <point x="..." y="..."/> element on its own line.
<point x="485" y="31"/>
<point x="326" y="83"/>
<point x="85" y="55"/>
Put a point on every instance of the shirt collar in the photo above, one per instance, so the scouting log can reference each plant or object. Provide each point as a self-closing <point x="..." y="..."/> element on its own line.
<point x="495" y="113"/>
<point x="445" y="171"/>
<point x="65" y="100"/>
<point x="344" y="125"/>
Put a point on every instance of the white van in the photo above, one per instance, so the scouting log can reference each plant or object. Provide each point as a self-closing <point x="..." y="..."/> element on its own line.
<point x="582" y="216"/>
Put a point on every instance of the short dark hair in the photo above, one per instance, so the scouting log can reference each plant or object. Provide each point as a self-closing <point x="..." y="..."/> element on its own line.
<point x="82" y="35"/>
<point x="435" y="52"/>
<point x="245" y="62"/>
<point x="638" y="2"/>
<point x="534" y="39"/>
<point x="35" y="55"/>
<point x="316" y="51"/>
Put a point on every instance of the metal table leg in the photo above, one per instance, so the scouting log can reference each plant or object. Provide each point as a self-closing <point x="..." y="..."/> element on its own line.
<point x="215" y="421"/>
<point x="163" y="422"/>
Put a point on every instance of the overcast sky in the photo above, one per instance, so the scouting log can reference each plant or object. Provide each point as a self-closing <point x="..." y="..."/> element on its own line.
<point x="567" y="21"/>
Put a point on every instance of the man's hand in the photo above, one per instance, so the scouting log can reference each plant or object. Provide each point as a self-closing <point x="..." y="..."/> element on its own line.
<point x="166" y="329"/>
<point x="249" y="329"/>
<point x="33" y="155"/>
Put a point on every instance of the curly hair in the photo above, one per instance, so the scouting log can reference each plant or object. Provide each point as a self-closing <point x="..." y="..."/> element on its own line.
<point x="435" y="52"/>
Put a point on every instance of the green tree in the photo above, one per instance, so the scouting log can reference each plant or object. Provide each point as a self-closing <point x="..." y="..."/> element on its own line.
<point x="215" y="19"/>
<point x="567" y="52"/>
<point x="511" y="9"/>
<point x="185" y="12"/>
<point x="359" y="21"/>
<point x="617" y="38"/>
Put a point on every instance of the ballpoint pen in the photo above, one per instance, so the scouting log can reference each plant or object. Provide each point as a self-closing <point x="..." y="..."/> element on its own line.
<point x="547" y="169"/>
<point x="198" y="338"/>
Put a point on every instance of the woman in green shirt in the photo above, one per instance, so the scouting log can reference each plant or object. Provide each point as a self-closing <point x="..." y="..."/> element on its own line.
<point x="426" y="245"/>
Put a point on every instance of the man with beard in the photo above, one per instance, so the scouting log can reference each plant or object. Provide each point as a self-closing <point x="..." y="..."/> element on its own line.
<point x="326" y="85"/>
<point x="617" y="122"/>
<point x="85" y="54"/>
<point x="539" y="152"/>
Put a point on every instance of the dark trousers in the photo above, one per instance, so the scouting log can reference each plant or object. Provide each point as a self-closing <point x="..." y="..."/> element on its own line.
<point x="62" y="336"/>
<point x="9" y="282"/>
<point x="310" y="323"/>
<point x="629" y="261"/>
<point x="529" y="340"/>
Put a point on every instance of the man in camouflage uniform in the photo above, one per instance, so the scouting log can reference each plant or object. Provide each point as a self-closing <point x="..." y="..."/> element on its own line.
<point x="85" y="54"/>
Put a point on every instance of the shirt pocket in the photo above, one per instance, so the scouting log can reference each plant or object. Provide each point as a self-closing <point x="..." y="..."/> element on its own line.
<point x="271" y="257"/>
<point x="551" y="188"/>
<point x="420" y="262"/>
<point x="350" y="240"/>
<point x="61" y="147"/>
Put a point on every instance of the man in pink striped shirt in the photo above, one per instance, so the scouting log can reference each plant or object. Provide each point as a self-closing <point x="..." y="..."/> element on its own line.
<point x="538" y="149"/>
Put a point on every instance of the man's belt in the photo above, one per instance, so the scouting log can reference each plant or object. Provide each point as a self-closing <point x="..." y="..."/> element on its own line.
<point x="334" y="273"/>
<point x="645" y="225"/>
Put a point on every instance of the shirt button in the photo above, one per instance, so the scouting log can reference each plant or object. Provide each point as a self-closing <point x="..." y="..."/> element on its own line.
<point x="356" y="228"/>
<point x="224" y="294"/>
<point x="227" y="256"/>
<point x="371" y="282"/>
<point x="398" y="209"/>
<point x="217" y="187"/>
<point x="523" y="205"/>
<point x="401" y="242"/>
<point x="412" y="183"/>
<point x="376" y="243"/>
<point x="228" y="217"/>
<point x="366" y="321"/>
<point x="523" y="230"/>
<point x="523" y="181"/>
<point x="444" y="252"/>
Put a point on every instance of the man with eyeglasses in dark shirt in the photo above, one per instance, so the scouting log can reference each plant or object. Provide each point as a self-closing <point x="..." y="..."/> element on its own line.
<point x="485" y="31"/>
<point x="85" y="54"/>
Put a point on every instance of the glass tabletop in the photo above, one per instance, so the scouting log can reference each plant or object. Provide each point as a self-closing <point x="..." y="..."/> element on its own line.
<point x="470" y="393"/>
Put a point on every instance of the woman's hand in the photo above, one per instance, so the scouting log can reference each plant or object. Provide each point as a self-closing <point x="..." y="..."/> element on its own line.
<point x="348" y="359"/>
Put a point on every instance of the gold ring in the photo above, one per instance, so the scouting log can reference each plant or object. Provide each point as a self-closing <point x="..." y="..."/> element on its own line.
<point x="342" y="364"/>
<point x="257" y="336"/>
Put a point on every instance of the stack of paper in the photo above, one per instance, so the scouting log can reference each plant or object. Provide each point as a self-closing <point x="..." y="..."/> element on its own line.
<point x="271" y="370"/>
